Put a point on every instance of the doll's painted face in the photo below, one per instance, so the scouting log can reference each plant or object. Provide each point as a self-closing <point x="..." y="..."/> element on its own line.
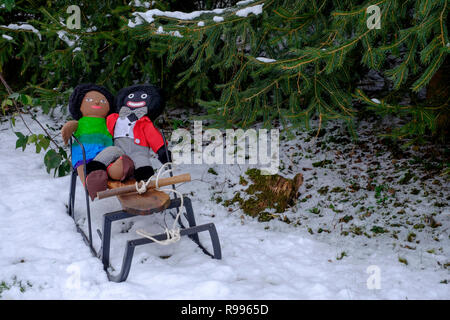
<point x="94" y="104"/>
<point x="137" y="99"/>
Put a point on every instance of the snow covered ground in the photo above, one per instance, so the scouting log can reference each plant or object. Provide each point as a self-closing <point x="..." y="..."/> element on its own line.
<point x="43" y="257"/>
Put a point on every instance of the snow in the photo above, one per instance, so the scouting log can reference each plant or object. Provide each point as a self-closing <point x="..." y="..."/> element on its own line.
<point x="63" y="36"/>
<point x="43" y="257"/>
<point x="149" y="15"/>
<point x="376" y="100"/>
<point x="23" y="26"/>
<point x="244" y="2"/>
<point x="201" y="24"/>
<point x="137" y="3"/>
<point x="7" y="37"/>
<point x="253" y="9"/>
<point x="175" y="33"/>
<point x="266" y="60"/>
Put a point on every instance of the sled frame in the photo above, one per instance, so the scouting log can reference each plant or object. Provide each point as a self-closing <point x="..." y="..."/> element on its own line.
<point x="191" y="231"/>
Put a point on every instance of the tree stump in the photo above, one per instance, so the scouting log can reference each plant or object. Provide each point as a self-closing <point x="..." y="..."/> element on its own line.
<point x="268" y="192"/>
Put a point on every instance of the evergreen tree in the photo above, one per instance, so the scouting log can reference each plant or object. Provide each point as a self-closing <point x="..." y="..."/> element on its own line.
<point x="251" y="61"/>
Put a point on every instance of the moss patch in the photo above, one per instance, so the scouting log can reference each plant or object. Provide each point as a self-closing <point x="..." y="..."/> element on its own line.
<point x="267" y="192"/>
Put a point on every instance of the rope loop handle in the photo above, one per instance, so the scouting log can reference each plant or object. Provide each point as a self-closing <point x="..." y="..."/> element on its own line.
<point x="173" y="235"/>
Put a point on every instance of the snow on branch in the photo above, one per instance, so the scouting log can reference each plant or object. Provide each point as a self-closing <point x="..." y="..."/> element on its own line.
<point x="24" y="26"/>
<point x="253" y="9"/>
<point x="149" y="15"/>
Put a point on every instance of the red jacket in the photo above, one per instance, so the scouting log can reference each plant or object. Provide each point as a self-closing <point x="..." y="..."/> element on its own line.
<point x="145" y="133"/>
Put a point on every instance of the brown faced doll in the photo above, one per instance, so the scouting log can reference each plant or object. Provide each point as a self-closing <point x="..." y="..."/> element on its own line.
<point x="89" y="105"/>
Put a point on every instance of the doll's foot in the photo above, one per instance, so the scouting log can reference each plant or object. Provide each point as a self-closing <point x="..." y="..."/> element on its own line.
<point x="121" y="169"/>
<point x="143" y="173"/>
<point x="96" y="179"/>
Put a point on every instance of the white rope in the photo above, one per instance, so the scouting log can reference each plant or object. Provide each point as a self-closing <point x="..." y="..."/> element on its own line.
<point x="173" y="235"/>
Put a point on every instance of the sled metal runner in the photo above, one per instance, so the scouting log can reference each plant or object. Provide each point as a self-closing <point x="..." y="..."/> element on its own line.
<point x="190" y="231"/>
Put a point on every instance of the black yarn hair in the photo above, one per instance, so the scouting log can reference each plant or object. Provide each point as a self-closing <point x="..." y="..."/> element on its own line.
<point x="76" y="98"/>
<point x="156" y="107"/>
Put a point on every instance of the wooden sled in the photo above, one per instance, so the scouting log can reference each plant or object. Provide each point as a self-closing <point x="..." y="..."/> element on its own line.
<point x="134" y="204"/>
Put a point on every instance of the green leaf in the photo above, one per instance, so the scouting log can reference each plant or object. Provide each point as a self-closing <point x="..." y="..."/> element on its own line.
<point x="21" y="140"/>
<point x="9" y="4"/>
<point x="14" y="95"/>
<point x="32" y="138"/>
<point x="44" y="142"/>
<point x="52" y="160"/>
<point x="25" y="100"/>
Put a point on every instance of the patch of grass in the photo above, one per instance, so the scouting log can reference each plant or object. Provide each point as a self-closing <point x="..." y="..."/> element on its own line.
<point x="377" y="229"/>
<point x="406" y="178"/>
<point x="356" y="230"/>
<point x="323" y="190"/>
<point x="411" y="237"/>
<point x="265" y="216"/>
<point x="342" y="255"/>
<point x="242" y="181"/>
<point x="3" y="287"/>
<point x="321" y="164"/>
<point x="346" y="219"/>
<point x="212" y="171"/>
<point x="314" y="210"/>
<point x="23" y="286"/>
<point x="337" y="189"/>
<point x="403" y="260"/>
<point x="439" y="204"/>
<point x="381" y="198"/>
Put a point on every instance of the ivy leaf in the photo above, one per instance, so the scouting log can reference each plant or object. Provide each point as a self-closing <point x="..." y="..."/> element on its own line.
<point x="52" y="160"/>
<point x="21" y="140"/>
<point x="26" y="100"/>
<point x="64" y="169"/>
<point x="32" y="138"/>
<point x="44" y="142"/>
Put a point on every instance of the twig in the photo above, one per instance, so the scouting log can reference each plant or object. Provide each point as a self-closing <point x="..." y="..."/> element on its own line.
<point x="8" y="88"/>
<point x="15" y="103"/>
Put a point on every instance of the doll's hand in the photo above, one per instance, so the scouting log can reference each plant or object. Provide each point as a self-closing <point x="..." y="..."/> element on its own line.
<point x="68" y="129"/>
<point x="164" y="157"/>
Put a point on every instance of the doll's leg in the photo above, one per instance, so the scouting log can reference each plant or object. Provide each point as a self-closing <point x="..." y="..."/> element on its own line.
<point x="139" y="155"/>
<point x="96" y="170"/>
<point x="121" y="169"/>
<point x="118" y="165"/>
<point x="80" y="171"/>
<point x="143" y="166"/>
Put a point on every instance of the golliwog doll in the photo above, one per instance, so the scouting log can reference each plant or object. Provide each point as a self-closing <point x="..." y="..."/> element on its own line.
<point x="89" y="105"/>
<point x="133" y="130"/>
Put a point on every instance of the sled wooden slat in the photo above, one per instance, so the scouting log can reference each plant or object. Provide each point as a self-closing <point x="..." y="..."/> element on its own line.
<point x="150" y="202"/>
